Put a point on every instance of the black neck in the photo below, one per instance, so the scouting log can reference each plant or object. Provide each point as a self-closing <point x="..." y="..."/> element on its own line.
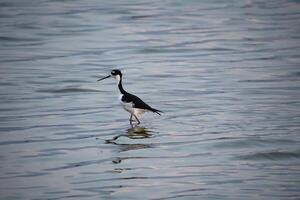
<point x="121" y="87"/>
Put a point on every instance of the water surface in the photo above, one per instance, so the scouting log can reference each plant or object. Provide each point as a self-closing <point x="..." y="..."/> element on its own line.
<point x="226" y="74"/>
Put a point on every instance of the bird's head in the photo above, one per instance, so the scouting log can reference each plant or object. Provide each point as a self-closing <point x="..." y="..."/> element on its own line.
<point x="115" y="73"/>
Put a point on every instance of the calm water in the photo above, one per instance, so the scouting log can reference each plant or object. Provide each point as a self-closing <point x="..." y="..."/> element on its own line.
<point x="226" y="74"/>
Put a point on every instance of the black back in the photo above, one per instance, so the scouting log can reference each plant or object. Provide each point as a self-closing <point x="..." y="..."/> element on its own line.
<point x="138" y="103"/>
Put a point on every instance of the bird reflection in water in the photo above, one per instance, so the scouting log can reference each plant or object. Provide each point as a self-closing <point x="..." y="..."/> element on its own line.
<point x="136" y="132"/>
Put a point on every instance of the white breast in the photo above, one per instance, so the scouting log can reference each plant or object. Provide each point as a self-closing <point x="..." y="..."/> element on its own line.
<point x="127" y="106"/>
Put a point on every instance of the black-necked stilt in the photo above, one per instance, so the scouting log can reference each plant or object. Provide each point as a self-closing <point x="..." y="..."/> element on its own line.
<point x="131" y="103"/>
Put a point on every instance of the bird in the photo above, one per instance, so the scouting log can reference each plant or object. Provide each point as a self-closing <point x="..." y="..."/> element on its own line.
<point x="131" y="103"/>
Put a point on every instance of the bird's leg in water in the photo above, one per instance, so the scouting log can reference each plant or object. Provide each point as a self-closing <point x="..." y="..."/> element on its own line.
<point x="137" y="119"/>
<point x="130" y="119"/>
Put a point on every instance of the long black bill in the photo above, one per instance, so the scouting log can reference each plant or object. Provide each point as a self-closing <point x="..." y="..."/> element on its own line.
<point x="104" y="78"/>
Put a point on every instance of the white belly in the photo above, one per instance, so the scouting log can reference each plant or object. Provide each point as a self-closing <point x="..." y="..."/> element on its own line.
<point x="138" y="112"/>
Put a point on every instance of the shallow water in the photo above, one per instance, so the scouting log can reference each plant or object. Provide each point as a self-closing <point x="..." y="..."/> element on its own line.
<point x="226" y="74"/>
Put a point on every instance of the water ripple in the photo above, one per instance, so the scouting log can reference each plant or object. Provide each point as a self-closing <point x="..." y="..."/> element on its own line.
<point x="272" y="155"/>
<point x="226" y="74"/>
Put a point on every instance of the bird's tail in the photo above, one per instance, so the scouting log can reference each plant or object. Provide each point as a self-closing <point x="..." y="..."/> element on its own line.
<point x="156" y="111"/>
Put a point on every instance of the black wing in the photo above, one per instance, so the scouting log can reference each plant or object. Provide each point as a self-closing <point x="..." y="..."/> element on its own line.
<point x="138" y="103"/>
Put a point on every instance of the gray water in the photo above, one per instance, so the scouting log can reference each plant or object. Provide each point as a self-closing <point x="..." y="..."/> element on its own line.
<point x="226" y="74"/>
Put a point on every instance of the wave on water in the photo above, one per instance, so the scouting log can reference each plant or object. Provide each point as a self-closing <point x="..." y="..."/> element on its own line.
<point x="68" y="90"/>
<point x="272" y="155"/>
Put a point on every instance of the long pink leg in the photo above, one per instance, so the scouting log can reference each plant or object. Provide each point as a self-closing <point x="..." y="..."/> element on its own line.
<point x="137" y="119"/>
<point x="130" y="119"/>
